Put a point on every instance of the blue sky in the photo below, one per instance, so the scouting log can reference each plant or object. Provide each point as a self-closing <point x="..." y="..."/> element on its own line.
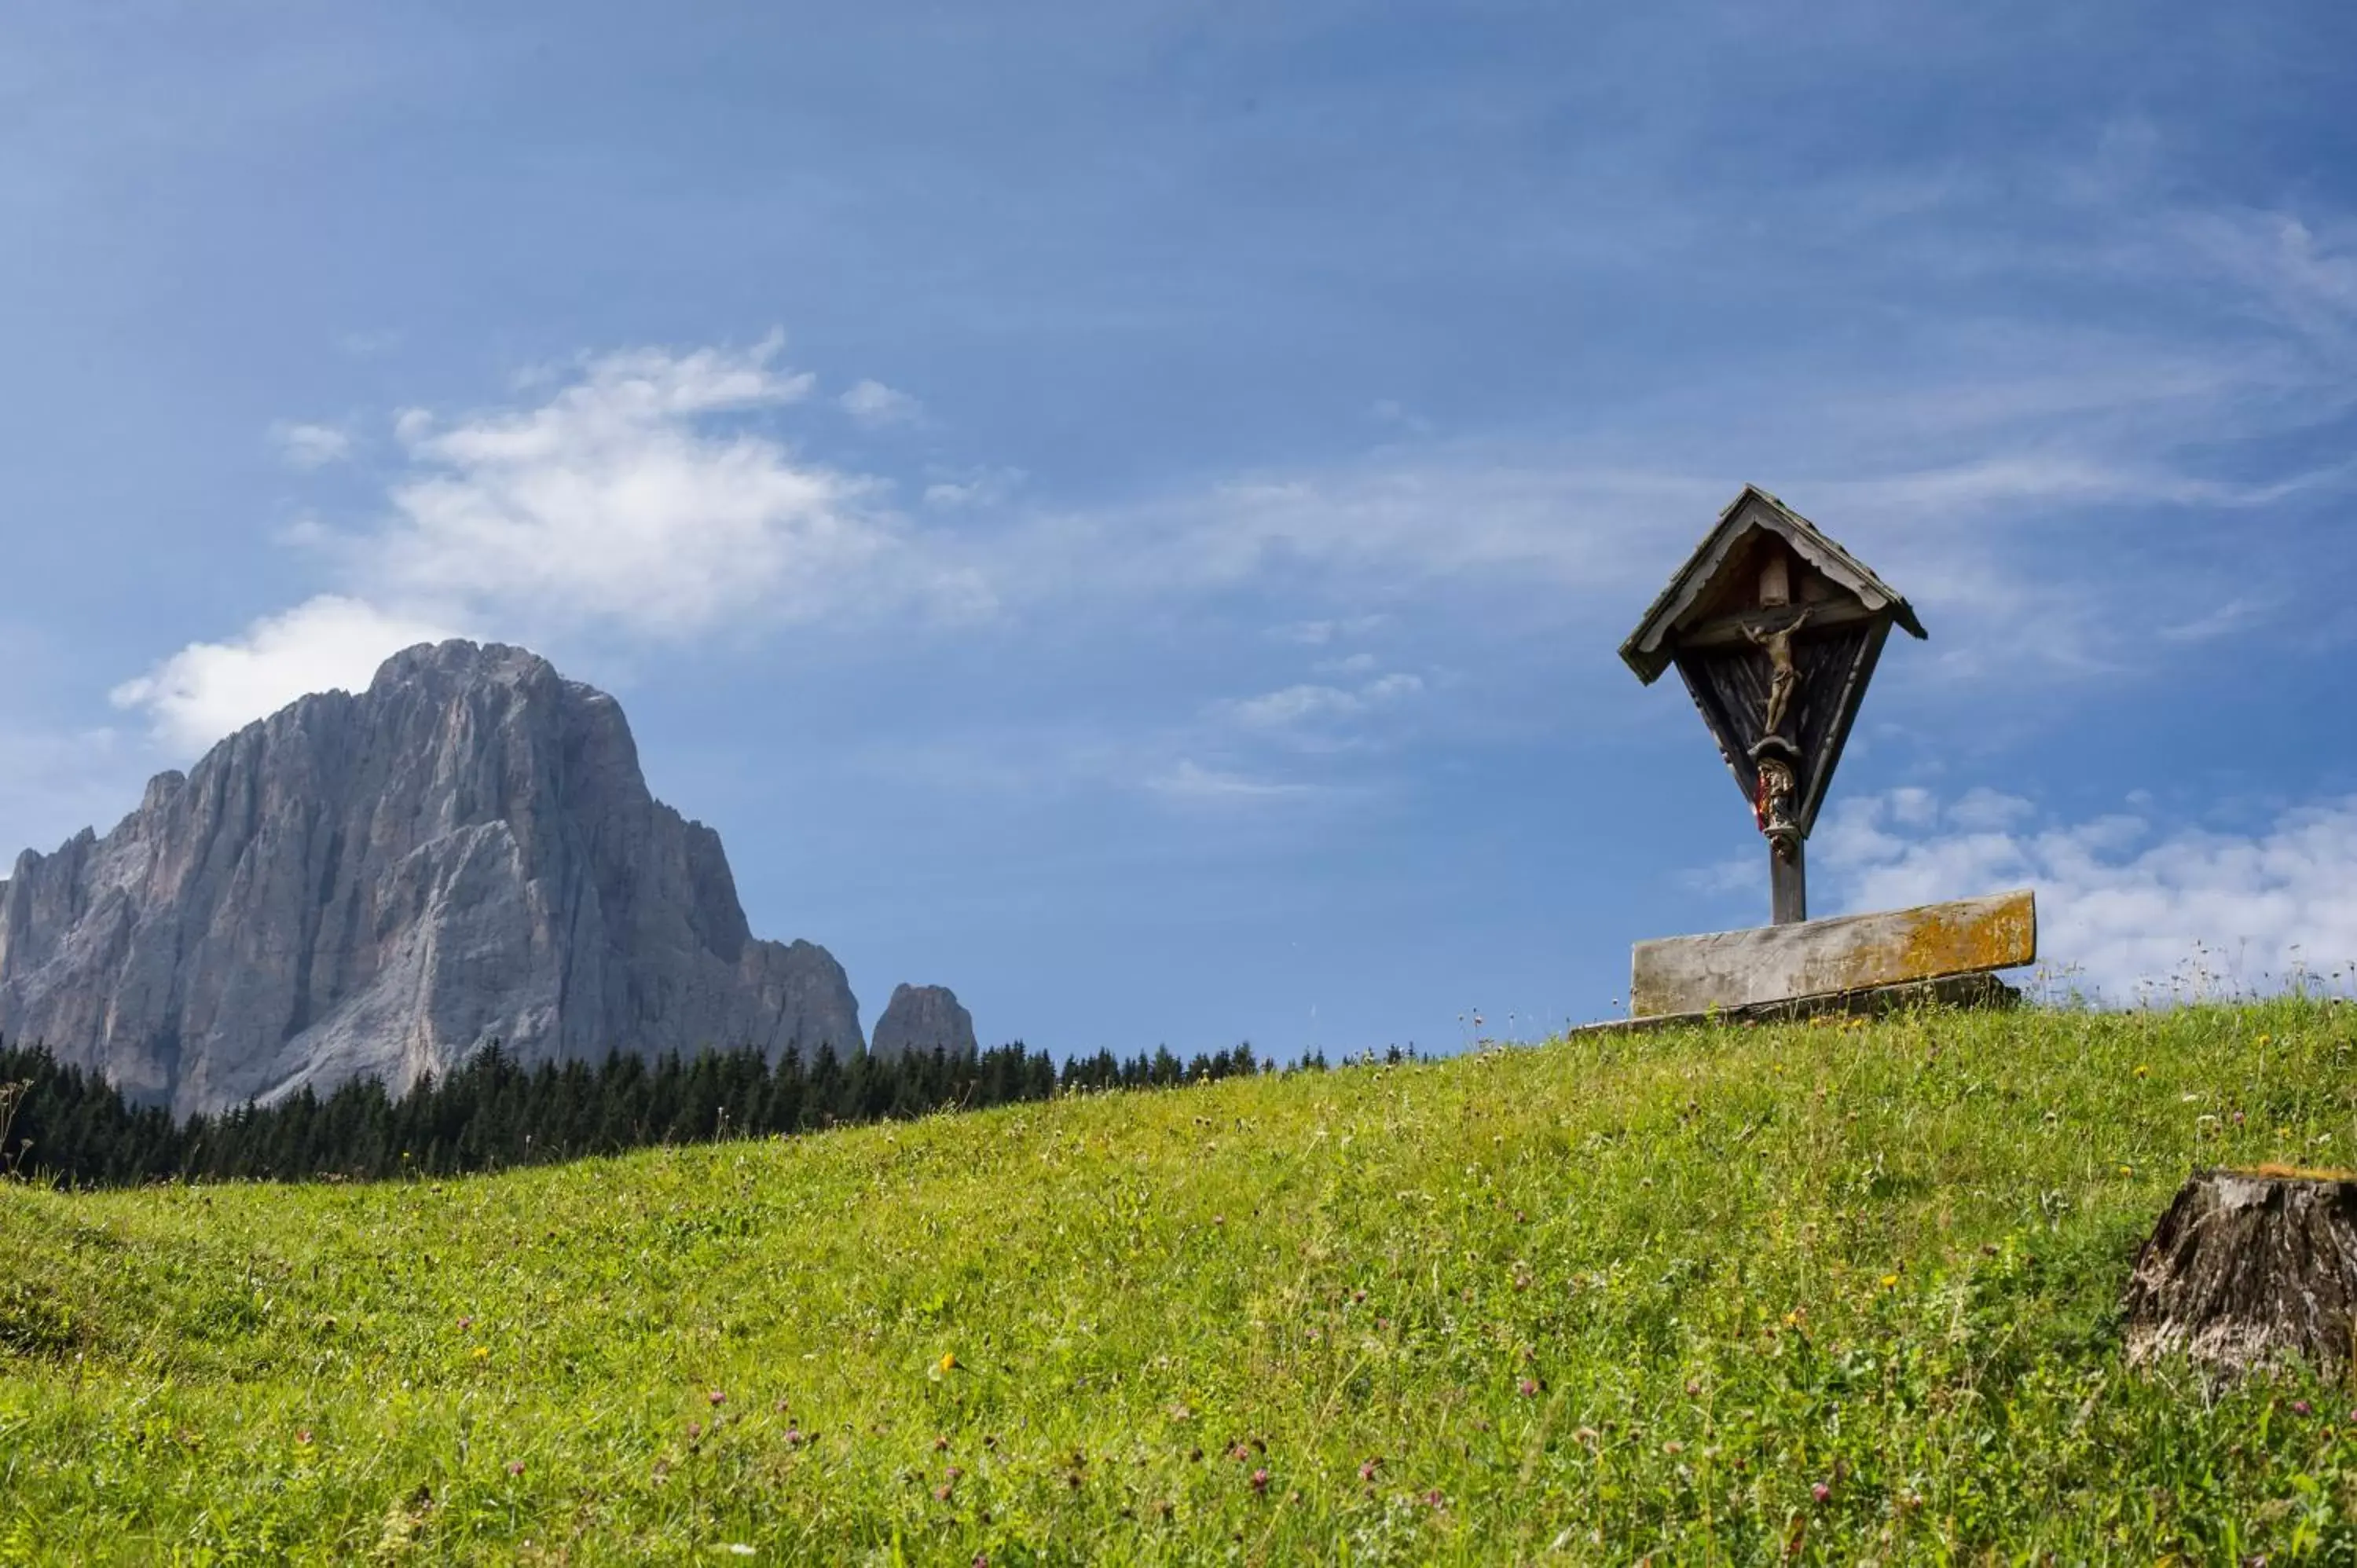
<point x="1127" y="510"/>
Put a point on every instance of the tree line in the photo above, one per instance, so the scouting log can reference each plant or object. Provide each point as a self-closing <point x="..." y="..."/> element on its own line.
<point x="70" y="1127"/>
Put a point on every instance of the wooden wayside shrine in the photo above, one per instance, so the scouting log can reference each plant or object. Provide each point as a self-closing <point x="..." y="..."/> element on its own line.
<point x="1775" y="630"/>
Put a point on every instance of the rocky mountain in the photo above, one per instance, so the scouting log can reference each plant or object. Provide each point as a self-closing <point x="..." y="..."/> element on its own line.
<point x="921" y="1017"/>
<point x="377" y="884"/>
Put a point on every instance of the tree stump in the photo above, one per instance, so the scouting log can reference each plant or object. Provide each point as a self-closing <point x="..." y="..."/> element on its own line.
<point x="2249" y="1269"/>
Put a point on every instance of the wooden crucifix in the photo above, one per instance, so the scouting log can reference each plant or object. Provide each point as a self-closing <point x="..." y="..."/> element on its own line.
<point x="1775" y="629"/>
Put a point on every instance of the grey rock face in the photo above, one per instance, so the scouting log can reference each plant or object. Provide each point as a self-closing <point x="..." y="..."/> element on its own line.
<point x="376" y="884"/>
<point x="920" y="1018"/>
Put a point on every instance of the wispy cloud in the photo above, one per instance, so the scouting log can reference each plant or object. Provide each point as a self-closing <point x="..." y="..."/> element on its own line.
<point x="647" y="494"/>
<point x="876" y="405"/>
<point x="311" y="445"/>
<point x="1190" y="783"/>
<point x="975" y="488"/>
<point x="1310" y="703"/>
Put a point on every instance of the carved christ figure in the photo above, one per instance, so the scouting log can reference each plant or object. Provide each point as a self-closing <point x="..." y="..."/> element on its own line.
<point x="1784" y="675"/>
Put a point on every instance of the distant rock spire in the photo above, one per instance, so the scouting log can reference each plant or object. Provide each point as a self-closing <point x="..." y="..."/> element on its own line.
<point x="921" y="1017"/>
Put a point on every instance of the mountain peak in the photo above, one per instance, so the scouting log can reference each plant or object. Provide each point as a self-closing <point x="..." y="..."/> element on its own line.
<point x="378" y="884"/>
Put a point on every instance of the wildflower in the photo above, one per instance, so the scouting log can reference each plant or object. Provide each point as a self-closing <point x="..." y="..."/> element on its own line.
<point x="2301" y="1406"/>
<point x="948" y="1363"/>
<point x="2127" y="1170"/>
<point x="1528" y="1387"/>
<point x="1260" y="1480"/>
<point x="1820" y="1491"/>
<point x="2143" y="1071"/>
<point x="1367" y="1470"/>
<point x="695" y="1431"/>
<point x="940" y="1444"/>
<point x="515" y="1467"/>
<point x="482" y="1352"/>
<point x="1694" y="1388"/>
<point x="941" y="1493"/>
<point x="1674" y="1448"/>
<point x="717" y="1397"/>
<point x="1891" y="1281"/>
<point x="1434" y="1498"/>
<point x="793" y="1436"/>
<point x="954" y="1475"/>
<point x="465" y="1323"/>
<point x="303" y="1435"/>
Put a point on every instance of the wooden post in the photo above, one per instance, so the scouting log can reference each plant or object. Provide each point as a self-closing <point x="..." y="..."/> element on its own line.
<point x="1788" y="885"/>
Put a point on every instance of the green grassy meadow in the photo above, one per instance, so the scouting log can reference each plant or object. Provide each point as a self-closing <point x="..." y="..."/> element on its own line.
<point x="1825" y="1293"/>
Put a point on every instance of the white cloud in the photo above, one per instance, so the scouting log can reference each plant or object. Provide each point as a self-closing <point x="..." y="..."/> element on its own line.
<point x="311" y="445"/>
<point x="208" y="689"/>
<point x="627" y="498"/>
<point x="632" y="497"/>
<point x="876" y="405"/>
<point x="2128" y="906"/>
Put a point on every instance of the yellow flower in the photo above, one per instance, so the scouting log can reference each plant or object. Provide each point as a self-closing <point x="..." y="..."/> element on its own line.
<point x="2127" y="1170"/>
<point x="948" y="1363"/>
<point x="1891" y="1281"/>
<point x="2142" y="1071"/>
<point x="482" y="1352"/>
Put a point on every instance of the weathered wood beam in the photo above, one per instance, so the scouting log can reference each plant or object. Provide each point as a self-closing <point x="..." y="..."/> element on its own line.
<point x="1728" y="970"/>
<point x="1975" y="991"/>
<point x="1726" y="632"/>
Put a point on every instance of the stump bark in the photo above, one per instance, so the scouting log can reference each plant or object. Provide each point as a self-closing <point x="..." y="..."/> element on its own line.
<point x="2249" y="1269"/>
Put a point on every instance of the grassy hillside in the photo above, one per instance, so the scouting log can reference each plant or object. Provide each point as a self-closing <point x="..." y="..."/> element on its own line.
<point x="1831" y="1291"/>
